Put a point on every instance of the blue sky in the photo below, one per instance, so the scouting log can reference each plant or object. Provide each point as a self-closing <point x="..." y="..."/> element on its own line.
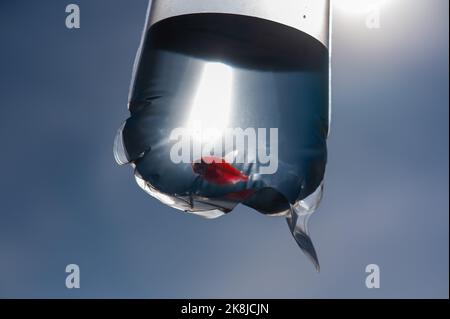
<point x="64" y="200"/>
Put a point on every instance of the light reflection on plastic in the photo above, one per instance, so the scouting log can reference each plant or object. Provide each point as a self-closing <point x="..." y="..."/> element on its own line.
<point x="212" y="102"/>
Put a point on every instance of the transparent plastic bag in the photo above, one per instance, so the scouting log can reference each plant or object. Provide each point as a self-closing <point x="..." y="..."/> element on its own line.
<point x="229" y="105"/>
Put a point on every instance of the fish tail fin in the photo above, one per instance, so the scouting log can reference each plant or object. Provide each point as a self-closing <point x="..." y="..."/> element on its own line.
<point x="298" y="224"/>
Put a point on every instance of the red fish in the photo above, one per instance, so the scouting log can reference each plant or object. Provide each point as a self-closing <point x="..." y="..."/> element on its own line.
<point x="217" y="171"/>
<point x="240" y="196"/>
